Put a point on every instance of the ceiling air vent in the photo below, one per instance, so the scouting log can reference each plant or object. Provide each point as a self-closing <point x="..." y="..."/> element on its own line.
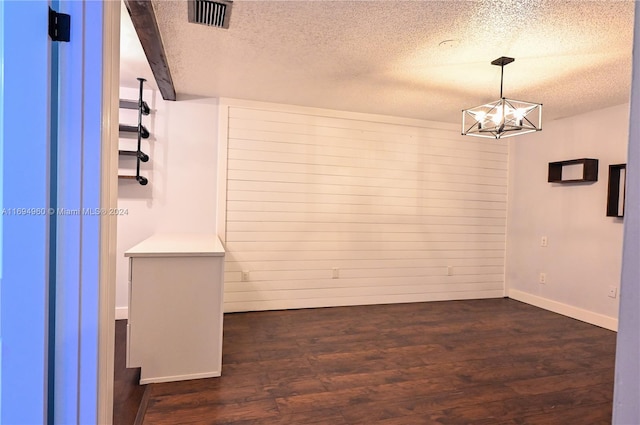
<point x="210" y="13"/>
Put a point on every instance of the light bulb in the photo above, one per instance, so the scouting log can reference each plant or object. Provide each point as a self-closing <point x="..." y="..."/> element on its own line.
<point x="497" y="117"/>
<point x="509" y="111"/>
<point x="519" y="115"/>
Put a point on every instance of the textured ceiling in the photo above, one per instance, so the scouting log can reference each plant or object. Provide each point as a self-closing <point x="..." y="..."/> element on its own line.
<point x="387" y="57"/>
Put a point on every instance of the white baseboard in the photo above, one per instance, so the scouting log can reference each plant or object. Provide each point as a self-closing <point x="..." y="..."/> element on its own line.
<point x="122" y="313"/>
<point x="555" y="306"/>
<point x="158" y="379"/>
<point x="565" y="309"/>
<point x="296" y="303"/>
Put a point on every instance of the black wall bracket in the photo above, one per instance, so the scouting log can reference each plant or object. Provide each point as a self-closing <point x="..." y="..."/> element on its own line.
<point x="59" y="26"/>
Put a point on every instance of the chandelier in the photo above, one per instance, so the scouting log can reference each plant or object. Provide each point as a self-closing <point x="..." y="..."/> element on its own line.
<point x="504" y="117"/>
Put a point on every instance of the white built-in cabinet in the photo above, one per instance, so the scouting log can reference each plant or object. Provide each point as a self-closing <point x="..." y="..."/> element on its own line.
<point x="174" y="330"/>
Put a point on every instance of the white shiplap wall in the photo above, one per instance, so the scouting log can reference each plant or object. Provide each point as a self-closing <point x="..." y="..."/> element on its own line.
<point x="405" y="210"/>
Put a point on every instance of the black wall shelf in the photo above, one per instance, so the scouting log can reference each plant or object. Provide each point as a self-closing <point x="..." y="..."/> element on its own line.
<point x="125" y="128"/>
<point x="589" y="170"/>
<point x="141" y="132"/>
<point x="143" y="156"/>
<point x="134" y="104"/>
<point x="142" y="180"/>
<point x="616" y="190"/>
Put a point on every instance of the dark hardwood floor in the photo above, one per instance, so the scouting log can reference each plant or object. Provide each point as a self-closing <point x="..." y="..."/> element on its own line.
<point x="493" y="361"/>
<point x="127" y="393"/>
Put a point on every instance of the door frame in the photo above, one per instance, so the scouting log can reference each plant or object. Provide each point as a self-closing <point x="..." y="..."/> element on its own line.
<point x="109" y="199"/>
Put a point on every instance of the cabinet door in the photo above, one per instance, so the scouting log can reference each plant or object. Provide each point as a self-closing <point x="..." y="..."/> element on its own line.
<point x="175" y="317"/>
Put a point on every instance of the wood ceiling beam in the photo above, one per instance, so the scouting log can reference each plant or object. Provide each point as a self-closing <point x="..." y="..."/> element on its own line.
<point x="144" y="21"/>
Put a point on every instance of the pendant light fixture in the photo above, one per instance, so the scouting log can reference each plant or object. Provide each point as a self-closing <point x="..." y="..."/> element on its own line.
<point x="504" y="117"/>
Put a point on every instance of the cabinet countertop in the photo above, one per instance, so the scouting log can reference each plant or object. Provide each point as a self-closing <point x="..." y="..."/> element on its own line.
<point x="178" y="245"/>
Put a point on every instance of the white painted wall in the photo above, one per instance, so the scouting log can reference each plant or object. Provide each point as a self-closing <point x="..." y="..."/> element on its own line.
<point x="390" y="203"/>
<point x="583" y="256"/>
<point x="180" y="196"/>
<point x="581" y="261"/>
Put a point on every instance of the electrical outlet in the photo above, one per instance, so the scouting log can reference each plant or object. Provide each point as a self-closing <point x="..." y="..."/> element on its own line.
<point x="542" y="278"/>
<point x="544" y="241"/>
<point x="335" y="273"/>
<point x="613" y="292"/>
<point x="245" y="275"/>
<point x="449" y="270"/>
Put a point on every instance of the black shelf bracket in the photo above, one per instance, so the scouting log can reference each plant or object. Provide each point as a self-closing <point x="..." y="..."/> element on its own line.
<point x="141" y="132"/>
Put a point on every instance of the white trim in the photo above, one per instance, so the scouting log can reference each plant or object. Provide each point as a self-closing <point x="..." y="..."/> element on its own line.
<point x="565" y="309"/>
<point x="122" y="313"/>
<point x="180" y="377"/>
<point x="505" y="281"/>
<point x="108" y="199"/>
<point x="240" y="306"/>
<point x="223" y="142"/>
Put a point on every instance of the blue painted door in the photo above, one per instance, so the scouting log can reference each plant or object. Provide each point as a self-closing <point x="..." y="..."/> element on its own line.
<point x="24" y="141"/>
<point x="50" y="139"/>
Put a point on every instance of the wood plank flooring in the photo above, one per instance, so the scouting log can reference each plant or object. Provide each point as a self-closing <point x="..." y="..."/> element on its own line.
<point x="127" y="393"/>
<point x="494" y="361"/>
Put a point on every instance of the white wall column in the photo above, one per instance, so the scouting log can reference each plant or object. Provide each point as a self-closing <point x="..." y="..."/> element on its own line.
<point x="626" y="409"/>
